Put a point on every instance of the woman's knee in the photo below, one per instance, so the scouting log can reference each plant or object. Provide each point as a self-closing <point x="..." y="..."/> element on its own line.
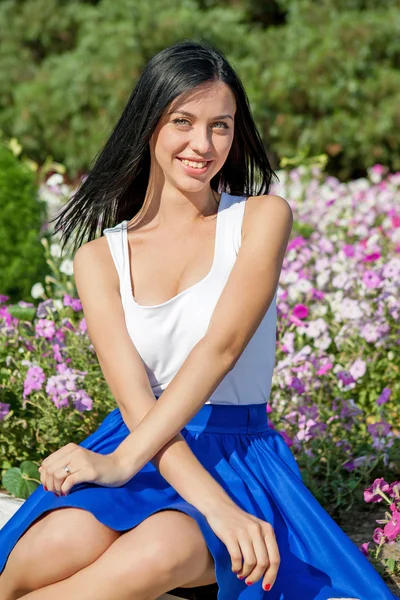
<point x="60" y="544"/>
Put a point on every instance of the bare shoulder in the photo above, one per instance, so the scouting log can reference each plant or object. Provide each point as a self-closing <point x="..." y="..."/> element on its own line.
<point x="266" y="208"/>
<point x="93" y="262"/>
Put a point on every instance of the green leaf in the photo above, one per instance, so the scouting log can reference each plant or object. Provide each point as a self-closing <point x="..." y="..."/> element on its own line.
<point x="16" y="481"/>
<point x="391" y="564"/>
<point x="22" y="313"/>
<point x="30" y="469"/>
<point x="11" y="480"/>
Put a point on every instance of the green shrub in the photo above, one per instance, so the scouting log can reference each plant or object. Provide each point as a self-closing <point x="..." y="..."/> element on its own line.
<point x="322" y="75"/>
<point x="22" y="260"/>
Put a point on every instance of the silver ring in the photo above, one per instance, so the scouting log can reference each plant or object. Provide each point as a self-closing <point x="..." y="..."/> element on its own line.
<point x="67" y="469"/>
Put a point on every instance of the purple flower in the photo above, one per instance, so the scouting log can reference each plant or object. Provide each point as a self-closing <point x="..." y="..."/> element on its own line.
<point x="287" y="438"/>
<point x="384" y="396"/>
<point x="297" y="385"/>
<point x="74" y="303"/>
<point x="371" y="494"/>
<point x="350" y="465"/>
<point x="3" y="298"/>
<point x="379" y="429"/>
<point x="345" y="377"/>
<point x="45" y="308"/>
<point x="4" y="410"/>
<point x="82" y="401"/>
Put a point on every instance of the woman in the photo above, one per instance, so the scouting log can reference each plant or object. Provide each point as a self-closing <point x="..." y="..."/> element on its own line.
<point x="184" y="484"/>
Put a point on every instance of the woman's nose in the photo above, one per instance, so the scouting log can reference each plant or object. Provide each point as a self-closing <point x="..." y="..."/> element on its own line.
<point x="201" y="141"/>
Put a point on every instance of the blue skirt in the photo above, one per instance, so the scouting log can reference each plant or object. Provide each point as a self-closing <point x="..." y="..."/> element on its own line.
<point x="256" y="468"/>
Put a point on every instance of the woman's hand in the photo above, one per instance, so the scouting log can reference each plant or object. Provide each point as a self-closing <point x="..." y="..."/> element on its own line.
<point x="250" y="541"/>
<point x="85" y="466"/>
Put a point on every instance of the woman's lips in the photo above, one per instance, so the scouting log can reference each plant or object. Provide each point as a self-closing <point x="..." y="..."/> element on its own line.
<point x="194" y="170"/>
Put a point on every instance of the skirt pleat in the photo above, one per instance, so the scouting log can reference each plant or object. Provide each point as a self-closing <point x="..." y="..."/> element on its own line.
<point x="256" y="468"/>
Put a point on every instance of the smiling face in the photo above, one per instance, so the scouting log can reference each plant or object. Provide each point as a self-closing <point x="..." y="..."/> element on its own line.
<point x="198" y="126"/>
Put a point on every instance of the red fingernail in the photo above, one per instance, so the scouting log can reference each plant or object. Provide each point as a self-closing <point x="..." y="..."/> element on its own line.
<point x="249" y="583"/>
<point x="45" y="488"/>
<point x="267" y="587"/>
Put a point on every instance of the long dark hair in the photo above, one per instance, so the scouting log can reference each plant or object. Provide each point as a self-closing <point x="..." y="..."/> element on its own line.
<point x="116" y="185"/>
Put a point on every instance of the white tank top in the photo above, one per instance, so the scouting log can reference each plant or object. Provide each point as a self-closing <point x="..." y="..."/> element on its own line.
<point x="164" y="334"/>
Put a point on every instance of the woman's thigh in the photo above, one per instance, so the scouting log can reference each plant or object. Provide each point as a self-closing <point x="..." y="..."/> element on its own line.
<point x="170" y="542"/>
<point x="59" y="543"/>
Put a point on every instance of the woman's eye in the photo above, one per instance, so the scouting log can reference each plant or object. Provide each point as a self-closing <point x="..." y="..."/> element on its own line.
<point x="184" y="121"/>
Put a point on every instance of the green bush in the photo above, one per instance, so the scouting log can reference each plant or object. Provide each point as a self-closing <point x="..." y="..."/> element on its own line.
<point x="22" y="260"/>
<point x="323" y="76"/>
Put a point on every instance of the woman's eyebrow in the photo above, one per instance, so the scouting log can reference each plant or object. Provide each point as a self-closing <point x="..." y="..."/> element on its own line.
<point x="189" y="114"/>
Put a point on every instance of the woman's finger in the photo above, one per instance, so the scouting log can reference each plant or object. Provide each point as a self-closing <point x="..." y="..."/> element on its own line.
<point x="262" y="558"/>
<point x="274" y="556"/>
<point x="233" y="548"/>
<point x="249" y="556"/>
<point x="59" y="476"/>
<point x="59" y="454"/>
<point x="53" y="474"/>
<point x="78" y="476"/>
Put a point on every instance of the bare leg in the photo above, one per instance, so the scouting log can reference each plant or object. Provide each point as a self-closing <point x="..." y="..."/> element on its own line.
<point x="165" y="551"/>
<point x="55" y="546"/>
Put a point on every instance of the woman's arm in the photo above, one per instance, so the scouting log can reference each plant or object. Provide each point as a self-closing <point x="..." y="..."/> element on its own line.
<point x="244" y="301"/>
<point x="98" y="288"/>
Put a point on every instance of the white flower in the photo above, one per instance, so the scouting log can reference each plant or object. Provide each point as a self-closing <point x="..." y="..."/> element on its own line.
<point x="67" y="267"/>
<point x="58" y="303"/>
<point x="55" y="179"/>
<point x="304" y="285"/>
<point x="37" y="290"/>
<point x="55" y="250"/>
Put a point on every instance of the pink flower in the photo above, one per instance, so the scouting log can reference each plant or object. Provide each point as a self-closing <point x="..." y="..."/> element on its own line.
<point x="74" y="303"/>
<point x="324" y="369"/>
<point x="364" y="548"/>
<point x="392" y="529"/>
<point x="394" y="489"/>
<point x="372" y="257"/>
<point x="45" y="328"/>
<point x="300" y="311"/>
<point x="371" y="494"/>
<point x="378" y="535"/>
<point x="358" y="369"/>
<point x="371" y="280"/>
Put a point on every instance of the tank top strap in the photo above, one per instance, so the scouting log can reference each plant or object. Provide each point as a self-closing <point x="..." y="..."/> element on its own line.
<point x="230" y="234"/>
<point x="115" y="239"/>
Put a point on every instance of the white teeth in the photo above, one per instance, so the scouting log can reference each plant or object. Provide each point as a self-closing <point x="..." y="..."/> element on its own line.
<point x="190" y="163"/>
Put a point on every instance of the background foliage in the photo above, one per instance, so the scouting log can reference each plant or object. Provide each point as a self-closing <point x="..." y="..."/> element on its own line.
<point x="322" y="76"/>
<point x="23" y="214"/>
